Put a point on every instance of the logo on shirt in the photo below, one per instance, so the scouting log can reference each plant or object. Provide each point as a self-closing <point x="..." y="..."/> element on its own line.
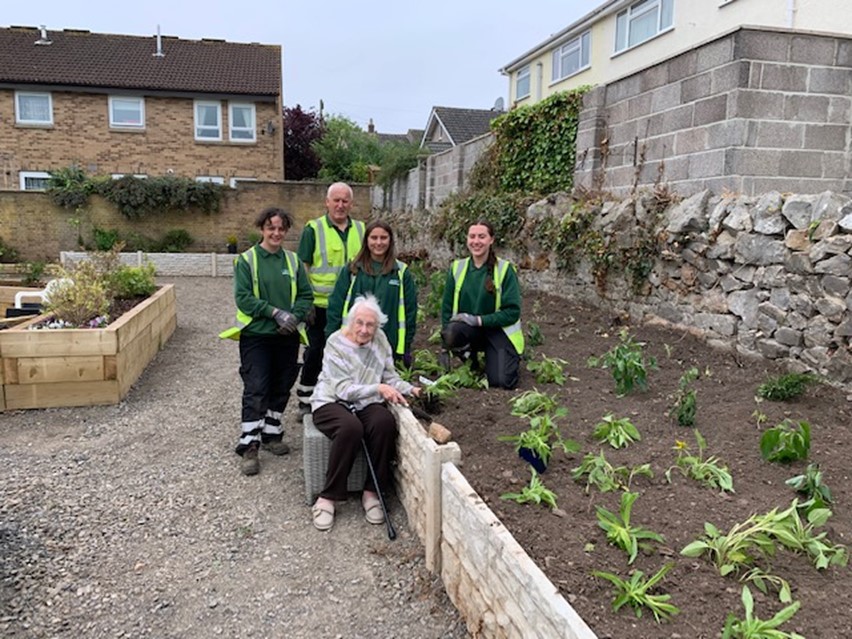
<point x="393" y="282"/>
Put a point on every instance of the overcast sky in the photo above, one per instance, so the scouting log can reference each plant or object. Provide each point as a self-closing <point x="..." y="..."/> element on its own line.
<point x="389" y="60"/>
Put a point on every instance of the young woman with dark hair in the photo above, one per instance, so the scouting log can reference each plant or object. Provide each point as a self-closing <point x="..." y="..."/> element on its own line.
<point x="481" y="310"/>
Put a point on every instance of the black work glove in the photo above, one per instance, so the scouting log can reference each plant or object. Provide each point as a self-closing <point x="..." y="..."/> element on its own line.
<point x="467" y="318"/>
<point x="407" y="360"/>
<point x="287" y="322"/>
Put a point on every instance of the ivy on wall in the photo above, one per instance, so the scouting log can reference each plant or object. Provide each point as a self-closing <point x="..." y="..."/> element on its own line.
<point x="134" y="197"/>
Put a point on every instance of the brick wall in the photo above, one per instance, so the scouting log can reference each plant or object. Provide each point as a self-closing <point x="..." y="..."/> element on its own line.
<point x="81" y="135"/>
<point x="39" y="230"/>
<point x="752" y="111"/>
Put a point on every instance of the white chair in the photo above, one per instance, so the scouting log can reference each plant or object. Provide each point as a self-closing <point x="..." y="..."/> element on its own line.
<point x="44" y="294"/>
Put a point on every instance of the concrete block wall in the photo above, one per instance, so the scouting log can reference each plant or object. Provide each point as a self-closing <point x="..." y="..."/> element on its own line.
<point x="81" y="134"/>
<point x="751" y="111"/>
<point x="39" y="230"/>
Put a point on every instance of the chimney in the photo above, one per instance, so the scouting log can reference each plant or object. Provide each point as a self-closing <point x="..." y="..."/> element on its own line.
<point x="159" y="53"/>
<point x="371" y="127"/>
<point x="43" y="39"/>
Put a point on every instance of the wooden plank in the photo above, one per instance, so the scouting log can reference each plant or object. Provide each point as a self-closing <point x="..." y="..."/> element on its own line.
<point x="168" y="330"/>
<point x="133" y="359"/>
<point x="10" y="370"/>
<point x="110" y="367"/>
<point x="38" y="370"/>
<point x="20" y="396"/>
<point x="2" y="398"/>
<point x="19" y="342"/>
<point x="129" y="325"/>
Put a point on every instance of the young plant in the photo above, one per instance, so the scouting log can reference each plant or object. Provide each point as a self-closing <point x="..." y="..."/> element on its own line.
<point x="708" y="471"/>
<point x="785" y="387"/>
<point x="531" y="403"/>
<point x="684" y="406"/>
<point x="534" y="336"/>
<point x="548" y="370"/>
<point x="634" y="593"/>
<point x="763" y="580"/>
<point x="618" y="432"/>
<point x="535" y="493"/>
<point x="753" y="628"/>
<point x="619" y="531"/>
<point x="435" y="297"/>
<point x="424" y="362"/>
<point x="809" y="484"/>
<point x="806" y="539"/>
<point x="606" y="477"/>
<point x="536" y="443"/>
<point x="786" y="442"/>
<point x="627" y="363"/>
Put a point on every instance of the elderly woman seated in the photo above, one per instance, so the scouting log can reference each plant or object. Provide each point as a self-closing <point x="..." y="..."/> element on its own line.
<point x="349" y="402"/>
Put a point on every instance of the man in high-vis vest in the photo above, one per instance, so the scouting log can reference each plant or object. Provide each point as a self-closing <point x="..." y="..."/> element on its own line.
<point x="327" y="244"/>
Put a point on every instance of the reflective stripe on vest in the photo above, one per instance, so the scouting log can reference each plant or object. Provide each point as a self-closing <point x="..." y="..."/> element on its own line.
<point x="459" y="269"/>
<point x="401" y="329"/>
<point x="324" y="271"/>
<point x="243" y="320"/>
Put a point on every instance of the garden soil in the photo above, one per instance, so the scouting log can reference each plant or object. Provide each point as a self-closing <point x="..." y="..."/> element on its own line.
<point x="568" y="545"/>
<point x="134" y="521"/>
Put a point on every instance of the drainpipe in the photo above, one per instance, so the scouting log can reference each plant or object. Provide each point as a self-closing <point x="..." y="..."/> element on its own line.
<point x="539" y="72"/>
<point x="791" y="13"/>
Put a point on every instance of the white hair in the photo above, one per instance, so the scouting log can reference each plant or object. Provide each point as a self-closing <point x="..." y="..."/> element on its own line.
<point x="366" y="302"/>
<point x="339" y="184"/>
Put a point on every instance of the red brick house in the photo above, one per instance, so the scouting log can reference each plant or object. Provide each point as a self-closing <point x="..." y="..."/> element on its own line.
<point x="117" y="105"/>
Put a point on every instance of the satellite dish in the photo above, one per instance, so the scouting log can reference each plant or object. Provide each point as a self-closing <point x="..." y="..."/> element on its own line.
<point x="498" y="105"/>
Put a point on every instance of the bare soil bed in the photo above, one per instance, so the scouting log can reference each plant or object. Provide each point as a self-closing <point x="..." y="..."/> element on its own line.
<point x="569" y="546"/>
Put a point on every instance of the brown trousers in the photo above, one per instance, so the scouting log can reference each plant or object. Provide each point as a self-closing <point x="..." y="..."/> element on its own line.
<point x="376" y="425"/>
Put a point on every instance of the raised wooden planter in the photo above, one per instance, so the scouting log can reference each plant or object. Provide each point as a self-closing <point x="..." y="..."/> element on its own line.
<point x="83" y="367"/>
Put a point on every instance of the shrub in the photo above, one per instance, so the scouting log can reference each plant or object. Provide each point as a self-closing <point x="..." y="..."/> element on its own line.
<point x="784" y="387"/>
<point x="79" y="295"/>
<point x="105" y="239"/>
<point x="134" y="281"/>
<point x="175" y="241"/>
<point x="7" y="253"/>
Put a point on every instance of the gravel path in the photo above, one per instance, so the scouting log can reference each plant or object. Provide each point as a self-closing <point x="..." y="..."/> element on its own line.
<point x="133" y="520"/>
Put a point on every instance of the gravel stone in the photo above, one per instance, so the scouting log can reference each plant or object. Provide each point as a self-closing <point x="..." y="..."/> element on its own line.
<point x="134" y="520"/>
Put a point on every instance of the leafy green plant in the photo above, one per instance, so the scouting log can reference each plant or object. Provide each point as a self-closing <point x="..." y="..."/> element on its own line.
<point x="627" y="363"/>
<point x="417" y="269"/>
<point x="134" y="281"/>
<point x="785" y="387"/>
<point x="435" y="297"/>
<point x="751" y="627"/>
<point x="684" y="406"/>
<point x="541" y="436"/>
<point x="550" y="370"/>
<point x="424" y="362"/>
<point x="34" y="273"/>
<point x="618" y="432"/>
<point x="809" y="484"/>
<point x="620" y="532"/>
<point x="786" y="442"/>
<point x="635" y="593"/>
<point x="105" y="239"/>
<point x="175" y="241"/>
<point x="604" y="476"/>
<point x="7" y="253"/>
<point x="531" y="403"/>
<point x="534" y="335"/>
<point x="708" y="472"/>
<point x="69" y="187"/>
<point x="764" y="580"/>
<point x="535" y="493"/>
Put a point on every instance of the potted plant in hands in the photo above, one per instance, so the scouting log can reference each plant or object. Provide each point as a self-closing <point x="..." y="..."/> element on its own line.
<point x="232" y="244"/>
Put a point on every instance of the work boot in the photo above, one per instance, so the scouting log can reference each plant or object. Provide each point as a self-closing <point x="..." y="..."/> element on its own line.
<point x="276" y="447"/>
<point x="250" y="464"/>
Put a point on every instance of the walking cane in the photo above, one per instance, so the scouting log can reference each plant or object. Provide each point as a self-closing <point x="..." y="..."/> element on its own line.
<point x="391" y="531"/>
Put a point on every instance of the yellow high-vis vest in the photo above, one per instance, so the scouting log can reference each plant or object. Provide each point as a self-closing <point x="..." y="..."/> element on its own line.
<point x="330" y="255"/>
<point x="513" y="331"/>
<point x="243" y="320"/>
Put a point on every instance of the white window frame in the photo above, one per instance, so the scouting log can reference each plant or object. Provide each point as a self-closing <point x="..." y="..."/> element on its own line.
<point x="126" y="125"/>
<point x="118" y="176"/>
<point x="215" y="179"/>
<point x="24" y="175"/>
<point x="33" y="94"/>
<point x="235" y="180"/>
<point x="234" y="131"/>
<point x="523" y="74"/>
<point x="199" y="127"/>
<point x="581" y="45"/>
<point x="624" y="20"/>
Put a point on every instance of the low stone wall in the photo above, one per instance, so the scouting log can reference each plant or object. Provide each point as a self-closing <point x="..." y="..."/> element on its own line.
<point x="170" y="264"/>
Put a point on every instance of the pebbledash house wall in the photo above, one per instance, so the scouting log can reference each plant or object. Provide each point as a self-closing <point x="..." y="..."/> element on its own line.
<point x="39" y="230"/>
<point x="751" y="111"/>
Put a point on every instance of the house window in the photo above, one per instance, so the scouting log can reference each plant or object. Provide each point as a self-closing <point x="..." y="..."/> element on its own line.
<point x="571" y="57"/>
<point x="241" y="119"/>
<point x="522" y="83"/>
<point x="118" y="176"/>
<point x="642" y="21"/>
<point x="34" y="180"/>
<point x="208" y="121"/>
<point x="210" y="178"/>
<point x="126" y="113"/>
<point x="236" y="180"/>
<point x="33" y="108"/>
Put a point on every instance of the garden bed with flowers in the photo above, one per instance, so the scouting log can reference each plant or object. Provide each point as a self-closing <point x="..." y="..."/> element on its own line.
<point x="651" y="525"/>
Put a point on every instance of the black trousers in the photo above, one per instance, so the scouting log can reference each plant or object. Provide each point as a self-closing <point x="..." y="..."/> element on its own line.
<point x="268" y="369"/>
<point x="502" y="362"/>
<point x="376" y="425"/>
<point x="312" y="359"/>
